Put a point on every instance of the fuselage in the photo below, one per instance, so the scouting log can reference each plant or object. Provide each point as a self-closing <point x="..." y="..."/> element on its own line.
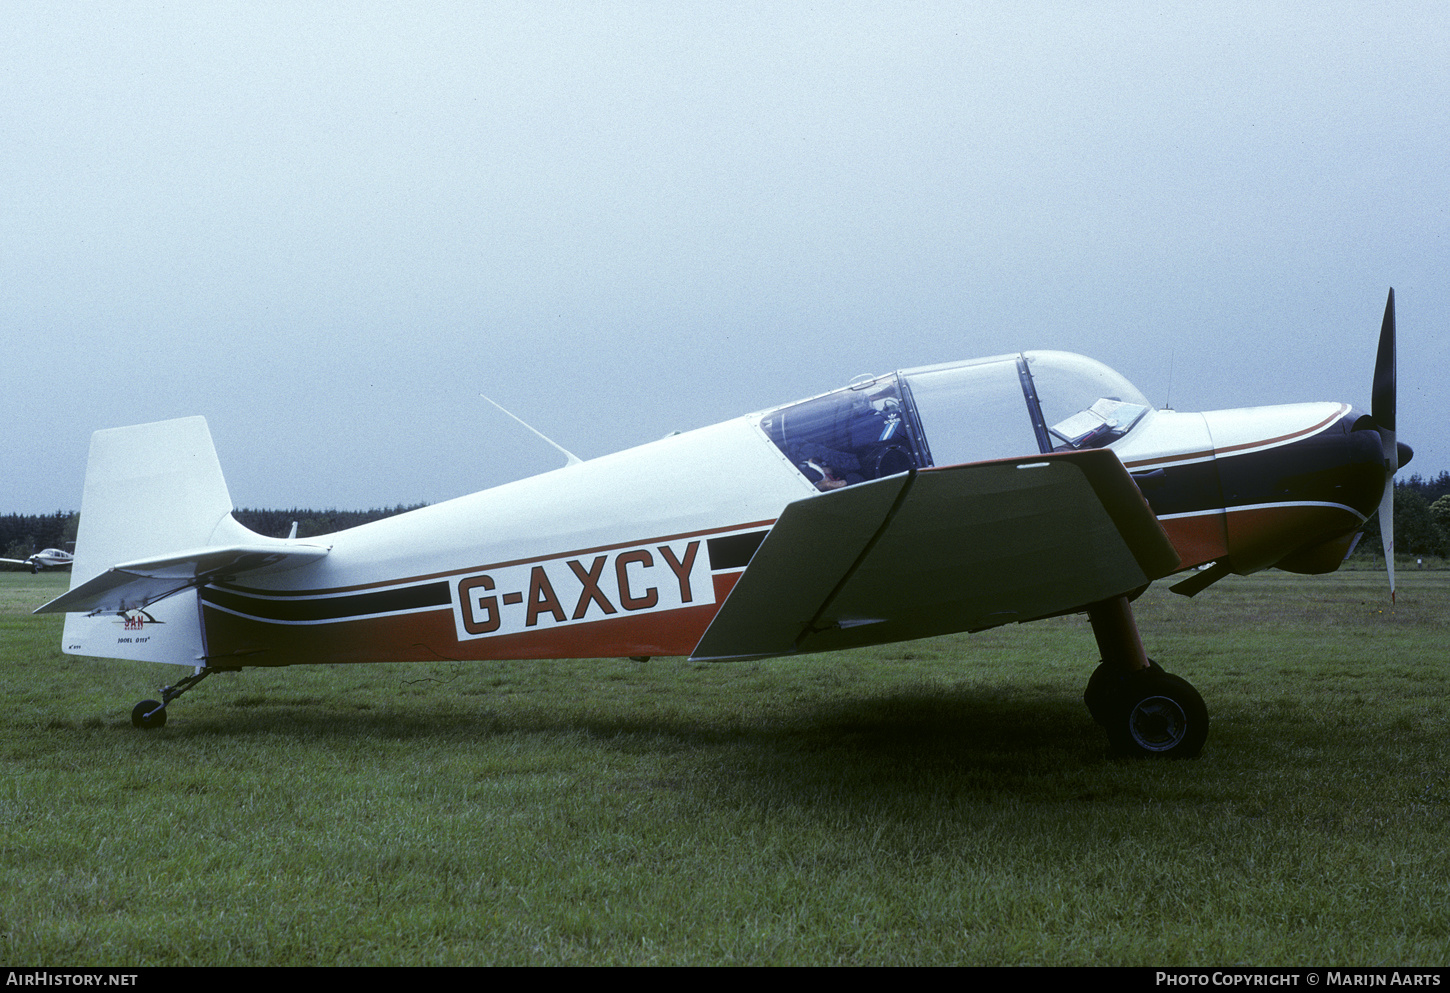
<point x="631" y="554"/>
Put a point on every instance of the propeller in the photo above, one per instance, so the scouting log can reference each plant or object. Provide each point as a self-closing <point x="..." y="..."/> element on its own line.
<point x="1382" y="411"/>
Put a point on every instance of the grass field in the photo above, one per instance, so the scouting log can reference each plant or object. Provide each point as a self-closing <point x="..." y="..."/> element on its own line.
<point x="944" y="801"/>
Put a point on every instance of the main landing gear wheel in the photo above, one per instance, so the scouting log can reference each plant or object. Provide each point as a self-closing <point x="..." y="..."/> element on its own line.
<point x="1153" y="713"/>
<point x="148" y="714"/>
<point x="1144" y="710"/>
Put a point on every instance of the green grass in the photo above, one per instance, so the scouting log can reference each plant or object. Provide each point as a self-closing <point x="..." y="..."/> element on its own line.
<point x="943" y="801"/>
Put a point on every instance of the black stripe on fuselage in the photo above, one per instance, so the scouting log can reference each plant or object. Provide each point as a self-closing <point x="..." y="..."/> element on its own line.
<point x="1336" y="465"/>
<point x="331" y="608"/>
<point x="1180" y="489"/>
<point x="732" y="551"/>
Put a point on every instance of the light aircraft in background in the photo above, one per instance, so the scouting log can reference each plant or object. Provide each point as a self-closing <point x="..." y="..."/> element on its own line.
<point x="46" y="558"/>
<point x="947" y="498"/>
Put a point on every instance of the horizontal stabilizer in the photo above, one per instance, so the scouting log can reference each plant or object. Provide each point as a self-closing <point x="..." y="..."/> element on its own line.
<point x="135" y="585"/>
<point x="940" y="550"/>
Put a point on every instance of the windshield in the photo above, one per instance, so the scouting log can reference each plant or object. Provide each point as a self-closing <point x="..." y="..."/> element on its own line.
<point x="1003" y="407"/>
<point x="1084" y="403"/>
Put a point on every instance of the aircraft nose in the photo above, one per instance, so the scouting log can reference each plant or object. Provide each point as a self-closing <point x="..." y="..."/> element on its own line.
<point x="1405" y="453"/>
<point x="1301" y="485"/>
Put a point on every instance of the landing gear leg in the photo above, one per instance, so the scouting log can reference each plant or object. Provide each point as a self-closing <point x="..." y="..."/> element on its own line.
<point x="1144" y="710"/>
<point x="152" y="713"/>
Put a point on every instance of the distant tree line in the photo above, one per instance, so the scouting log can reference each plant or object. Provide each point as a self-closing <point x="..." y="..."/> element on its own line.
<point x="22" y="535"/>
<point x="311" y="523"/>
<point x="1422" y="518"/>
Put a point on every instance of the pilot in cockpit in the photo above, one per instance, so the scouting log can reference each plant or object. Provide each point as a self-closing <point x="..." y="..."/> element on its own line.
<point x="827" y="468"/>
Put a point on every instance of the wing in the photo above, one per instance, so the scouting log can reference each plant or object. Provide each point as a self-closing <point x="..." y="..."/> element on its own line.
<point x="134" y="585"/>
<point x="934" y="551"/>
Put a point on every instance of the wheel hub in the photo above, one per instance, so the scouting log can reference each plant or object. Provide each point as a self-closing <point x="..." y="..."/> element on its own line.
<point x="1157" y="723"/>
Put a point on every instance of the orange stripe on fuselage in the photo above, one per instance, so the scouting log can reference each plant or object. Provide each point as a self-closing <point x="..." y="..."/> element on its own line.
<point x="1197" y="539"/>
<point x="1258" y="537"/>
<point x="430" y="635"/>
<point x="1254" y="538"/>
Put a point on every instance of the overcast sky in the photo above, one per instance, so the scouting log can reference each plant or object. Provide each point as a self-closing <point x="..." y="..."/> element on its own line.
<point x="329" y="226"/>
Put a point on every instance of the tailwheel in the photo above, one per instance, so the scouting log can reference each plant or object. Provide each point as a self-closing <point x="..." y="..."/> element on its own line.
<point x="148" y="714"/>
<point x="1157" y="714"/>
<point x="152" y="714"/>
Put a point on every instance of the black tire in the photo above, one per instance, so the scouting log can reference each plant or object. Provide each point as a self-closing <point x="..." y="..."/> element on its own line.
<point x="139" y="712"/>
<point x="1158" y="715"/>
<point x="1102" y="689"/>
<point x="1107" y="687"/>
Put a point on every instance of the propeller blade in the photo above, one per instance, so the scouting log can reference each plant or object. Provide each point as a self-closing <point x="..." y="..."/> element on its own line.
<point x="1387" y="530"/>
<point x="1382" y="403"/>
<point x="1382" y="410"/>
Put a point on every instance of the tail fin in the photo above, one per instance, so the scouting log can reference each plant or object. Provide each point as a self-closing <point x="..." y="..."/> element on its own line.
<point x="150" y="489"/>
<point x="156" y="523"/>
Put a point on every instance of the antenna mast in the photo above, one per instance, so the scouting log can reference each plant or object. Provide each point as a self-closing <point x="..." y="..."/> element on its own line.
<point x="572" y="458"/>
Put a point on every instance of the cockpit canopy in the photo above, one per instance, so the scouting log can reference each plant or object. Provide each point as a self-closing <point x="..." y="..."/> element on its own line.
<point x="1001" y="407"/>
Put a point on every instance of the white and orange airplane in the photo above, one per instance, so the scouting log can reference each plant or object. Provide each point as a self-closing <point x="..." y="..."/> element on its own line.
<point x="948" y="498"/>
